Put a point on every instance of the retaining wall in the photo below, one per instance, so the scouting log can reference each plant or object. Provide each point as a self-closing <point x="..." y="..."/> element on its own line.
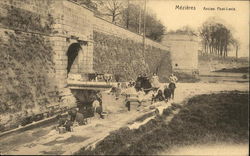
<point x="34" y="38"/>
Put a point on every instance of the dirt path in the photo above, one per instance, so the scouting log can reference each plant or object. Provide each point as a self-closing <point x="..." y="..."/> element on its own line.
<point x="46" y="140"/>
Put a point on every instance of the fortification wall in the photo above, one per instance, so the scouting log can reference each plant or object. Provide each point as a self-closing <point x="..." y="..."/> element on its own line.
<point x="73" y="24"/>
<point x="119" y="51"/>
<point x="27" y="68"/>
<point x="35" y="36"/>
<point x="184" y="52"/>
<point x="103" y="26"/>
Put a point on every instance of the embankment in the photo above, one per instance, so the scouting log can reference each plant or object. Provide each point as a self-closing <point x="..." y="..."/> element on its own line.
<point x="209" y="63"/>
<point x="27" y="71"/>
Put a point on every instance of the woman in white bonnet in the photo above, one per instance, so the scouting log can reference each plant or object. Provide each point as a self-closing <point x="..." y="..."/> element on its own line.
<point x="155" y="81"/>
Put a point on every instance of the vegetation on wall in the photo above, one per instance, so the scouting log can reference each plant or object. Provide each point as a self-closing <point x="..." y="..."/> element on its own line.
<point x="26" y="72"/>
<point x="24" y="20"/>
<point x="27" y="67"/>
<point x="125" y="57"/>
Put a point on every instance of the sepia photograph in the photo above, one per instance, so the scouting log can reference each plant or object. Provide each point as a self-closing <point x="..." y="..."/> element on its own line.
<point x="124" y="77"/>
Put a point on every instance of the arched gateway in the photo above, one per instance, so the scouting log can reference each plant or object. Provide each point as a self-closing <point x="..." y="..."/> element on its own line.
<point x="73" y="58"/>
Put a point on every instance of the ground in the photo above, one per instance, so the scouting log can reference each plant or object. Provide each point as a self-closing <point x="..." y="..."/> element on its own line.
<point x="203" y="121"/>
<point x="46" y="140"/>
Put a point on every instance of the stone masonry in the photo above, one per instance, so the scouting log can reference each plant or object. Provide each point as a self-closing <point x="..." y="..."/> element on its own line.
<point x="71" y="23"/>
<point x="184" y="52"/>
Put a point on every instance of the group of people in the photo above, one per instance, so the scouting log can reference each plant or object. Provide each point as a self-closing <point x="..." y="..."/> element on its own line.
<point x="143" y="82"/>
<point x="96" y="77"/>
<point x="167" y="92"/>
<point x="76" y="116"/>
<point x="143" y="85"/>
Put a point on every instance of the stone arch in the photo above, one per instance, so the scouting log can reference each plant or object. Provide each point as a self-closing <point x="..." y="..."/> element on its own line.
<point x="72" y="55"/>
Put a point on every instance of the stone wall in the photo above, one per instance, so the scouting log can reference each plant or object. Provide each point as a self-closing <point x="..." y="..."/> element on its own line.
<point x="125" y="57"/>
<point x="35" y="36"/>
<point x="120" y="52"/>
<point x="103" y="26"/>
<point x="73" y="24"/>
<point x="184" y="52"/>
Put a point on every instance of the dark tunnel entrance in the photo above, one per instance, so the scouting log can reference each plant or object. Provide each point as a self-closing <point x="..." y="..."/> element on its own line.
<point x="72" y="54"/>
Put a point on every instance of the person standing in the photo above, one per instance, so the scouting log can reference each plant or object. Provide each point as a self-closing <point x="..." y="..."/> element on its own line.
<point x="172" y="85"/>
<point x="155" y="81"/>
<point x="173" y="78"/>
<point x="118" y="91"/>
<point x="138" y="82"/>
<point x="140" y="97"/>
<point x="68" y="124"/>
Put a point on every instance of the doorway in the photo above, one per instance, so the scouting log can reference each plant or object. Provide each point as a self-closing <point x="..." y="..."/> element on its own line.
<point x="73" y="60"/>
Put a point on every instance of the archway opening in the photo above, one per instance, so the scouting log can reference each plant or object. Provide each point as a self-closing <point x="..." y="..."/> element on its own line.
<point x="72" y="54"/>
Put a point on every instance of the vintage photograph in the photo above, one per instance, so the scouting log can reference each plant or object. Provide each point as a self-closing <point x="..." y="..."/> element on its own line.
<point x="124" y="77"/>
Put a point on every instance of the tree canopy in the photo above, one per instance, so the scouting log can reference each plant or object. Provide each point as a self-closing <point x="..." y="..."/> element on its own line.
<point x="216" y="38"/>
<point x="129" y="15"/>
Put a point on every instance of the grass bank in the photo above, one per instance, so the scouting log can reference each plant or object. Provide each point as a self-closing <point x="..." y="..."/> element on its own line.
<point x="235" y="70"/>
<point x="221" y="117"/>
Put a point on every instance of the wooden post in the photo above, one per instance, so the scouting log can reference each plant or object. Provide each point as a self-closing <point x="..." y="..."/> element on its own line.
<point x="236" y="52"/>
<point x="144" y="27"/>
<point x="128" y="13"/>
<point x="139" y="30"/>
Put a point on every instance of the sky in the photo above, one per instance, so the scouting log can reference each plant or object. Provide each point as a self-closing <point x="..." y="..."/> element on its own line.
<point x="237" y="20"/>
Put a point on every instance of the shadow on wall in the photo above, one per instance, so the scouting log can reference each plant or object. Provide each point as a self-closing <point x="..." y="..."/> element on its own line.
<point x="72" y="53"/>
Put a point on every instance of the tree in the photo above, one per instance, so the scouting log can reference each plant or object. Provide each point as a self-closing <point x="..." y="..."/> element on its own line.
<point x="154" y="28"/>
<point x="112" y="8"/>
<point x="216" y="38"/>
<point x="236" y="44"/>
<point x="131" y="19"/>
<point x="127" y="13"/>
<point x="184" y="30"/>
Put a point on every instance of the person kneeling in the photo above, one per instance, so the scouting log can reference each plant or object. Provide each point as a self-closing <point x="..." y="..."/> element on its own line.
<point x="158" y="97"/>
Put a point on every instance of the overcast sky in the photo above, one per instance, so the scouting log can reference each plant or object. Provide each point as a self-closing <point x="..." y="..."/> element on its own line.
<point x="174" y="19"/>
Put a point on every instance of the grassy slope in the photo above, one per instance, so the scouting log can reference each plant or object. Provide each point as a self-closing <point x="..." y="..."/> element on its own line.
<point x="211" y="118"/>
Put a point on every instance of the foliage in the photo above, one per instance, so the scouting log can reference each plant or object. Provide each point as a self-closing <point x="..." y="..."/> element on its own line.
<point x="216" y="38"/>
<point x="111" y="8"/>
<point x="23" y="85"/>
<point x="27" y="21"/>
<point x="184" y="30"/>
<point x="154" y="28"/>
<point x="129" y="15"/>
<point x="132" y="20"/>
